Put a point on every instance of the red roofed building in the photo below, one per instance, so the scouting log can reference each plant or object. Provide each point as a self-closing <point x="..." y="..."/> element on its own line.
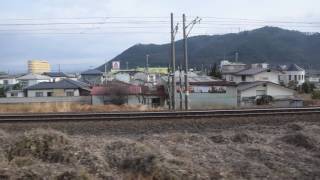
<point x="117" y="92"/>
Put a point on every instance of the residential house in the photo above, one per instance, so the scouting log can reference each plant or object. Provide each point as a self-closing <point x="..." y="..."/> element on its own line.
<point x="15" y="94"/>
<point x="92" y="77"/>
<point x="313" y="76"/>
<point x="65" y="87"/>
<point x="253" y="74"/>
<point x="227" y="68"/>
<point x="247" y="92"/>
<point x="32" y="79"/>
<point x="294" y="74"/>
<point x="8" y="80"/>
<point x="56" y="76"/>
<point x="118" y="92"/>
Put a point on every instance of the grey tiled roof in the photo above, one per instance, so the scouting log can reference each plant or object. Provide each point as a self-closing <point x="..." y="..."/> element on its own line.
<point x="64" y="84"/>
<point x="34" y="77"/>
<point x="294" y="67"/>
<point x="55" y="74"/>
<point x="92" y="72"/>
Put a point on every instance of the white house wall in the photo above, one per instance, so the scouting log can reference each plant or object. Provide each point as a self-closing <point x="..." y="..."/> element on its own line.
<point x="275" y="91"/>
<point x="279" y="92"/>
<point x="32" y="93"/>
<point x="295" y="73"/>
<point x="267" y="76"/>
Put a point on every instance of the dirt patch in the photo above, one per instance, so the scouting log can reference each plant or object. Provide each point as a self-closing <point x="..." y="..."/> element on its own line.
<point x="219" y="139"/>
<point x="299" y="140"/>
<point x="208" y="151"/>
<point x="295" y="127"/>
<point x="242" y="138"/>
<point x="138" y="161"/>
<point x="46" y="145"/>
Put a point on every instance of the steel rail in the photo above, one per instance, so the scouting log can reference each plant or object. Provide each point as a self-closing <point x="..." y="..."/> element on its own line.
<point x="54" y="117"/>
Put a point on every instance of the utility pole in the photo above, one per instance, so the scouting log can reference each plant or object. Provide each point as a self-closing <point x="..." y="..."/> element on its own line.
<point x="169" y="88"/>
<point x="174" y="30"/>
<point x="237" y="57"/>
<point x="181" y="87"/>
<point x="185" y="46"/>
<point x="105" y="72"/>
<point x="147" y="63"/>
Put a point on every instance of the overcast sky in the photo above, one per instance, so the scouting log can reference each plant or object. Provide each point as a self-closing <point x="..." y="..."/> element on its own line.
<point x="75" y="34"/>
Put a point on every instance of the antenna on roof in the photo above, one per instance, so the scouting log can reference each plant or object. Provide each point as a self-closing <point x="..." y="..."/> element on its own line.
<point x="237" y="57"/>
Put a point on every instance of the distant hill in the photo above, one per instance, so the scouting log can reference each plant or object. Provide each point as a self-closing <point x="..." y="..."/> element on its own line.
<point x="268" y="44"/>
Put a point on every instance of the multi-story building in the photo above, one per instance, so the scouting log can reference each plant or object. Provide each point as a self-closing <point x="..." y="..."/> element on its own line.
<point x="38" y="67"/>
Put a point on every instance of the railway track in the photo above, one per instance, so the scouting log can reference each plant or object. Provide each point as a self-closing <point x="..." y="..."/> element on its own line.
<point x="54" y="117"/>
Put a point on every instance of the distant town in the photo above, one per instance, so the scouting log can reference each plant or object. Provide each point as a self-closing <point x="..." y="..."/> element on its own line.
<point x="228" y="84"/>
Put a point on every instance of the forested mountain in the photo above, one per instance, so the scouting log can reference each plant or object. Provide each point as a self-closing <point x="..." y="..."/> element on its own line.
<point x="268" y="44"/>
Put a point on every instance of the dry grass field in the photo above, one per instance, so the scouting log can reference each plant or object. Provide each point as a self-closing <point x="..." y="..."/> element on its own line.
<point x="244" y="148"/>
<point x="66" y="107"/>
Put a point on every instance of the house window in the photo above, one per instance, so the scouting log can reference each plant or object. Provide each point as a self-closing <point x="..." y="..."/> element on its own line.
<point x="290" y="78"/>
<point x="243" y="77"/>
<point x="5" y="82"/>
<point x="49" y="94"/>
<point x="299" y="77"/>
<point x="14" y="94"/>
<point x="39" y="94"/>
<point x="70" y="93"/>
<point x="295" y="78"/>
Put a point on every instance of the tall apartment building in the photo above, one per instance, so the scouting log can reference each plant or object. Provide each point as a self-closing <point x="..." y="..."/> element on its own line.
<point x="38" y="67"/>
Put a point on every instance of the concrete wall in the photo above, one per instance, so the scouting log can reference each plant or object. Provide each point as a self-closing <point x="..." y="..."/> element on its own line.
<point x="79" y="99"/>
<point x="210" y="100"/>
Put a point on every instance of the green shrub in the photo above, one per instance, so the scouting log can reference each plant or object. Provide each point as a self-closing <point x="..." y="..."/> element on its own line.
<point x="315" y="95"/>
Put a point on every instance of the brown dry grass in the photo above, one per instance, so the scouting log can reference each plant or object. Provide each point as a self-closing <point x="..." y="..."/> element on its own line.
<point x="67" y="107"/>
<point x="252" y="151"/>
